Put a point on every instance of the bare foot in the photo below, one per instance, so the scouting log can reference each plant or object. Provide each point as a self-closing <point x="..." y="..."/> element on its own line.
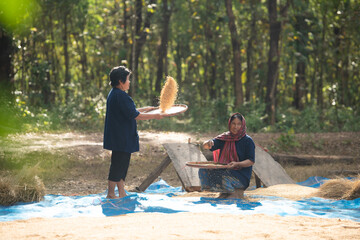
<point x="112" y="197"/>
<point x="238" y="194"/>
<point x="223" y="195"/>
<point x="122" y="195"/>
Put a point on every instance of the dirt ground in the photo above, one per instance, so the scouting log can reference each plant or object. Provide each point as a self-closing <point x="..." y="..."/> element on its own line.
<point x="89" y="171"/>
<point x="185" y="225"/>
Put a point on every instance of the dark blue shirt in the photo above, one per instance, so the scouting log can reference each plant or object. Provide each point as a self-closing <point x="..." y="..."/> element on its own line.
<point x="120" y="133"/>
<point x="245" y="149"/>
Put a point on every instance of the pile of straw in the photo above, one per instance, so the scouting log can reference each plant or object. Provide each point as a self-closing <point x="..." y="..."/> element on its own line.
<point x="168" y="94"/>
<point x="340" y="189"/>
<point x="354" y="191"/>
<point x="12" y="191"/>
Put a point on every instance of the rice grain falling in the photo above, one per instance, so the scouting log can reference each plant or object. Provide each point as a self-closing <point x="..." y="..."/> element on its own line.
<point x="168" y="94"/>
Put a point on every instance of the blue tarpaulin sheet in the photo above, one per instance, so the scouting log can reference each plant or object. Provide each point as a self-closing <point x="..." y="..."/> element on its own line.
<point x="159" y="197"/>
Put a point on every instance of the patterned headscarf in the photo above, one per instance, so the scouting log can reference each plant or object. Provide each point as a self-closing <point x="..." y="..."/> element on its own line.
<point x="228" y="153"/>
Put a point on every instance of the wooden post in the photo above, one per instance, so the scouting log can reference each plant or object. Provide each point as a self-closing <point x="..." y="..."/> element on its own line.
<point x="257" y="181"/>
<point x="153" y="175"/>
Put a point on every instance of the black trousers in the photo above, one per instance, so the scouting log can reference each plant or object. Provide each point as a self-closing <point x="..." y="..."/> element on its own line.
<point x="119" y="166"/>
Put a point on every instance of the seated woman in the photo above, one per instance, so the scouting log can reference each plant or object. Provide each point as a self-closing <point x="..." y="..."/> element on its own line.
<point x="236" y="149"/>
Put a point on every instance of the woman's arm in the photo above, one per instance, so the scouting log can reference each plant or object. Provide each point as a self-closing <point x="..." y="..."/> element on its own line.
<point x="148" y="116"/>
<point x="242" y="164"/>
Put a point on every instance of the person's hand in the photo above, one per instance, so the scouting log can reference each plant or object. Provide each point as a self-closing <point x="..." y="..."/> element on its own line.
<point x="234" y="165"/>
<point x="158" y="116"/>
<point x="208" y="144"/>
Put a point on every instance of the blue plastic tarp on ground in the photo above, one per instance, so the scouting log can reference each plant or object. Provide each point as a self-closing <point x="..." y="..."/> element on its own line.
<point x="159" y="197"/>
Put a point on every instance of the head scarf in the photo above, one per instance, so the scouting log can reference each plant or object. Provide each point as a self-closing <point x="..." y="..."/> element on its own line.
<point x="228" y="153"/>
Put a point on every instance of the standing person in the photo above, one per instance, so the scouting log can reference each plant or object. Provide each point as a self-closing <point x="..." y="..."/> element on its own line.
<point x="236" y="149"/>
<point x="120" y="132"/>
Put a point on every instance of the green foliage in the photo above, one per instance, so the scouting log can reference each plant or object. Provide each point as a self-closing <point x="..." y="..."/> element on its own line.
<point x="61" y="93"/>
<point x="288" y="140"/>
<point x="26" y="165"/>
<point x="254" y="116"/>
<point x="204" y="116"/>
<point x="79" y="114"/>
<point x="313" y="119"/>
<point x="10" y="119"/>
<point x="16" y="12"/>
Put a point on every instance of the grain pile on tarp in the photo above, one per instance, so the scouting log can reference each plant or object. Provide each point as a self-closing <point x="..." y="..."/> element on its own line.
<point x="340" y="189"/>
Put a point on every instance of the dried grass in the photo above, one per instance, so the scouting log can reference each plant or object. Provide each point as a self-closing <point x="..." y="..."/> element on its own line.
<point x="340" y="189"/>
<point x="168" y="94"/>
<point x="25" y="186"/>
<point x="7" y="192"/>
<point x="354" y="191"/>
<point x="12" y="192"/>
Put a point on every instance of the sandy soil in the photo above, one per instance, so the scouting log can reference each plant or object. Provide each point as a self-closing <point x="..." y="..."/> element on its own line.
<point x="182" y="226"/>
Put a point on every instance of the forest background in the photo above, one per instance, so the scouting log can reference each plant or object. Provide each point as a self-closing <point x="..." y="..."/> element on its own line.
<point x="287" y="65"/>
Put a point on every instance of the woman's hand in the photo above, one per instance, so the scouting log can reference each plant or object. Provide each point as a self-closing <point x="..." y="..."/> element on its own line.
<point x="243" y="164"/>
<point x="208" y="144"/>
<point x="159" y="116"/>
<point x="234" y="165"/>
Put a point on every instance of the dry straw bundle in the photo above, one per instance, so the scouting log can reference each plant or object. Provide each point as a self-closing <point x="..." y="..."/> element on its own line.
<point x="7" y="192"/>
<point x="340" y="189"/>
<point x="354" y="191"/>
<point x="168" y="94"/>
<point x="13" y="191"/>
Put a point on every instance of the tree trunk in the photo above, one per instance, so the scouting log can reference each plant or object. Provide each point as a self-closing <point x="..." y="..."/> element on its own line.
<point x="6" y="49"/>
<point x="6" y="83"/>
<point x="342" y="56"/>
<point x="66" y="58"/>
<point x="46" y="87"/>
<point x="320" y="84"/>
<point x="210" y="63"/>
<point x="124" y="22"/>
<point x="177" y="58"/>
<point x="273" y="59"/>
<point x="54" y="59"/>
<point x="300" y="27"/>
<point x="239" y="96"/>
<point x="162" y="50"/>
<point x="273" y="62"/>
<point x="139" y="40"/>
<point x="249" y="56"/>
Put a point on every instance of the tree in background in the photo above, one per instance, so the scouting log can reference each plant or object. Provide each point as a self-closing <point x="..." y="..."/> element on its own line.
<point x="162" y="49"/>
<point x="139" y="37"/>
<point x="296" y="60"/>
<point x="235" y="41"/>
<point x="273" y="57"/>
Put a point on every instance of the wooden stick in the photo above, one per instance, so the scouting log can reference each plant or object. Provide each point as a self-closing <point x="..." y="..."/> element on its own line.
<point x="153" y="175"/>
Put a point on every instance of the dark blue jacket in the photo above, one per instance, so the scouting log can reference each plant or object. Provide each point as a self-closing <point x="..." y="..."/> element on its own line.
<point x="120" y="133"/>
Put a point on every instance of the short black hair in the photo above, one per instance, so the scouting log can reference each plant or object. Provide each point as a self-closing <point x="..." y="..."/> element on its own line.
<point x="118" y="73"/>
